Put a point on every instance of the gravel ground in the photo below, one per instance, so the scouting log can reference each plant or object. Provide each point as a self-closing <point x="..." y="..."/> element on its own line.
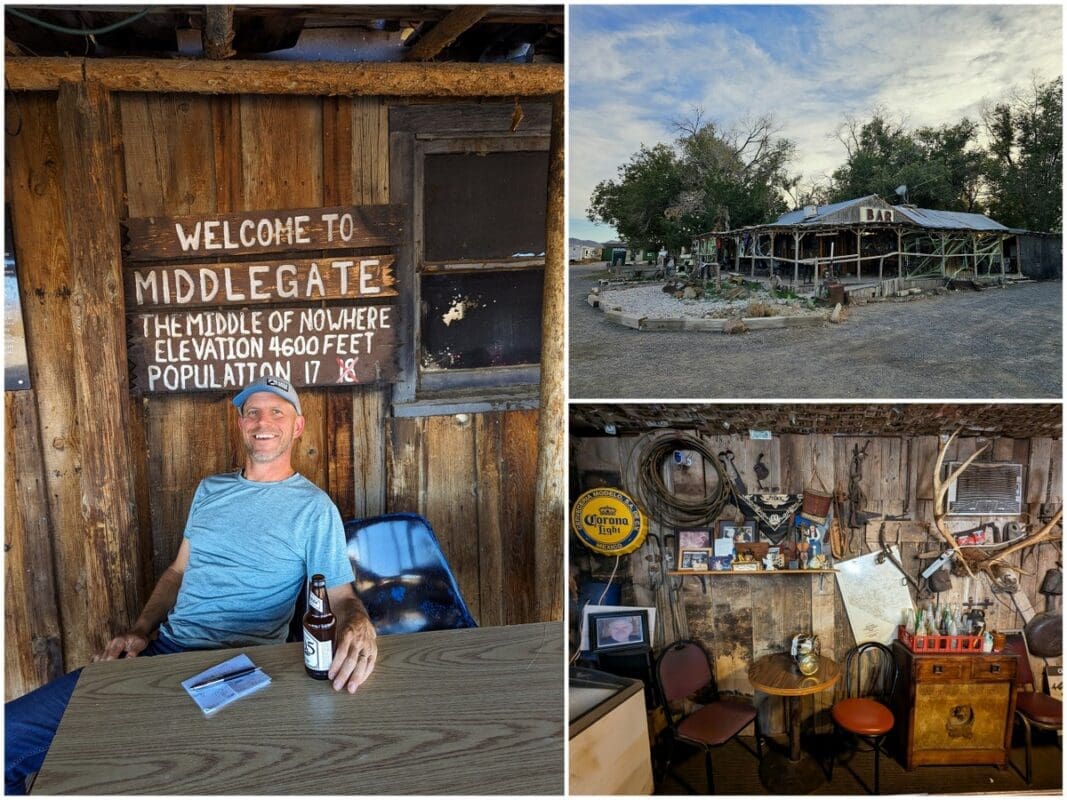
<point x="996" y="344"/>
<point x="652" y="301"/>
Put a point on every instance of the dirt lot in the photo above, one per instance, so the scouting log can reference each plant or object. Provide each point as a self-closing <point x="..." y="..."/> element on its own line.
<point x="1000" y="343"/>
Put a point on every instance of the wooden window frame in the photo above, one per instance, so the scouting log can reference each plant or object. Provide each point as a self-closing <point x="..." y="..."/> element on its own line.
<point x="483" y="128"/>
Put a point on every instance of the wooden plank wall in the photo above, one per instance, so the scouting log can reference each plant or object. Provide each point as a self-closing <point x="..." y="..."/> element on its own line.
<point x="472" y="476"/>
<point x="740" y="618"/>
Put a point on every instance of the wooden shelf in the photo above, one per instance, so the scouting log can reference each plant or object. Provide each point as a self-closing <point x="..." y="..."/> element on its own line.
<point x="731" y="572"/>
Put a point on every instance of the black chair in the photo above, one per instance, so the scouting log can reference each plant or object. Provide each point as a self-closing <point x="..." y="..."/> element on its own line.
<point x="683" y="674"/>
<point x="1033" y="709"/>
<point x="870" y="679"/>
<point x="402" y="577"/>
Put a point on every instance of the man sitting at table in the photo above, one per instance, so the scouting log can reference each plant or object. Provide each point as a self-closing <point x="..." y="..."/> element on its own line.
<point x="251" y="539"/>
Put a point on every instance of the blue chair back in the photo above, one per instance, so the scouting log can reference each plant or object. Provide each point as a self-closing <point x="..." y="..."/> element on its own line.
<point x="402" y="576"/>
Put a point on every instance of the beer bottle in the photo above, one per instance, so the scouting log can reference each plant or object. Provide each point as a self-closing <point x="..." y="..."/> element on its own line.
<point x="319" y="628"/>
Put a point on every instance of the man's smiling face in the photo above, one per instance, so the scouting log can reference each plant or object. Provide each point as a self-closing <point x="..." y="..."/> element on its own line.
<point x="269" y="426"/>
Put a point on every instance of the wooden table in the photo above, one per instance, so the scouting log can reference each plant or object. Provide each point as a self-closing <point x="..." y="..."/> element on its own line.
<point x="777" y="674"/>
<point x="456" y="712"/>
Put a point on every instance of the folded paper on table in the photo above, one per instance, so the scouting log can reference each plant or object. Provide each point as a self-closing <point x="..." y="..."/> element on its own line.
<point x="212" y="698"/>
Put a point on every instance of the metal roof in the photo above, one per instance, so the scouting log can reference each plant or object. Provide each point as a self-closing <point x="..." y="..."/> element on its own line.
<point x="927" y="218"/>
<point x="799" y="216"/>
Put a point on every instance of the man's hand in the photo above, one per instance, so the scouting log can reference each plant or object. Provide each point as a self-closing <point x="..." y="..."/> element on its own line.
<point x="357" y="652"/>
<point x="131" y="643"/>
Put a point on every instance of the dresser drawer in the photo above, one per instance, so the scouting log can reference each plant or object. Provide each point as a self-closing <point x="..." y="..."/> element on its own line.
<point x="998" y="669"/>
<point x="936" y="670"/>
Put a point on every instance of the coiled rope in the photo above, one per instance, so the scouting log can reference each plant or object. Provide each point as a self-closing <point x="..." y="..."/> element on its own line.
<point x="645" y="480"/>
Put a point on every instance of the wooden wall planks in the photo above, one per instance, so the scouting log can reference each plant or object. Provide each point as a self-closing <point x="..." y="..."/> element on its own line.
<point x="741" y="617"/>
<point x="474" y="479"/>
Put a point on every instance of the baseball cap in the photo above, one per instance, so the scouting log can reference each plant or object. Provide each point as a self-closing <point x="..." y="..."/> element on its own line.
<point x="268" y="383"/>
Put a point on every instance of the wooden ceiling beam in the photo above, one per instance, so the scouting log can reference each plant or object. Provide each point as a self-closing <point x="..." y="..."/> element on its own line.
<point x="218" y="33"/>
<point x="445" y="32"/>
<point x="287" y="78"/>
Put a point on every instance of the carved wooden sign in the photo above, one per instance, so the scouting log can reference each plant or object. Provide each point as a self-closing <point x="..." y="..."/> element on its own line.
<point x="287" y="280"/>
<point x="212" y="349"/>
<point x="210" y="323"/>
<point x="257" y="232"/>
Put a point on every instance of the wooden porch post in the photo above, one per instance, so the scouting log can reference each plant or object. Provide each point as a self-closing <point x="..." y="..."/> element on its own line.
<point x="110" y="536"/>
<point x="943" y="249"/>
<point x="796" y="258"/>
<point x="548" y="533"/>
<point x="900" y="252"/>
<point x="859" y="253"/>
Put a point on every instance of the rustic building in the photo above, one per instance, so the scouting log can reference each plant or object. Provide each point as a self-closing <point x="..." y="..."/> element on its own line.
<point x="329" y="171"/>
<point x="868" y="240"/>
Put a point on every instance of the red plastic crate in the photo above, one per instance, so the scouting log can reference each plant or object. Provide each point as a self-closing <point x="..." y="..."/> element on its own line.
<point x="940" y="644"/>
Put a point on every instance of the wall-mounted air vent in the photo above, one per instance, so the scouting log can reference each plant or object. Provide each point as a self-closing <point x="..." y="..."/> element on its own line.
<point x="986" y="489"/>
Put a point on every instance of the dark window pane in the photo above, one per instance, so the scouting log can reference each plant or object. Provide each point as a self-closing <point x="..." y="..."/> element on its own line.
<point x="487" y="319"/>
<point x="485" y="206"/>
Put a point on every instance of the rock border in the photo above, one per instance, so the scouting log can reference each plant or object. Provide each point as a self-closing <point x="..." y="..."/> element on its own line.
<point x="694" y="324"/>
<point x="717" y="324"/>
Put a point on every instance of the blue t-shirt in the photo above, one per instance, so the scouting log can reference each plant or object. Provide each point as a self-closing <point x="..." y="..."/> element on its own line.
<point x="251" y="547"/>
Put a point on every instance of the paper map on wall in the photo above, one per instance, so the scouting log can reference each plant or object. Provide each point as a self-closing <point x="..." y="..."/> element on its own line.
<point x="875" y="596"/>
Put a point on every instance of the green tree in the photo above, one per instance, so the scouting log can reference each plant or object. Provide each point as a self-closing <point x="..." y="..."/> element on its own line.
<point x="941" y="167"/>
<point x="635" y="203"/>
<point x="710" y="179"/>
<point x="1024" y="169"/>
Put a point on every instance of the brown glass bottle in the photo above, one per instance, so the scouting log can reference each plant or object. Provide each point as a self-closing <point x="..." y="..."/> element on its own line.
<point x="319" y="628"/>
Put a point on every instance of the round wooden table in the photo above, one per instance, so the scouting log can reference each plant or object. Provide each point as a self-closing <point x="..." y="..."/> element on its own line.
<point x="777" y="674"/>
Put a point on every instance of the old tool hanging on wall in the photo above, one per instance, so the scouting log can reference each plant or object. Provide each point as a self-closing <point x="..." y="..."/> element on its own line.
<point x="856" y="498"/>
<point x="727" y="459"/>
<point x="761" y="472"/>
<point x="887" y="555"/>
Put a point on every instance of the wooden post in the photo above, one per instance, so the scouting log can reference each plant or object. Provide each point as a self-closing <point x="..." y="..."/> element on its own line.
<point x="109" y="534"/>
<point x="548" y="533"/>
<point x="943" y="250"/>
<point x="900" y="252"/>
<point x="737" y="252"/>
<point x="770" y="266"/>
<point x="752" y="256"/>
<point x="218" y="32"/>
<point x="859" y="253"/>
<point x="796" y="258"/>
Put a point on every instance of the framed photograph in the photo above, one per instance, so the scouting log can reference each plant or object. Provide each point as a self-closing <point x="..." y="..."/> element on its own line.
<point x="619" y="629"/>
<point x="721" y="563"/>
<point x="748" y="530"/>
<point x="729" y="530"/>
<point x="587" y="627"/>
<point x="691" y="539"/>
<point x="695" y="559"/>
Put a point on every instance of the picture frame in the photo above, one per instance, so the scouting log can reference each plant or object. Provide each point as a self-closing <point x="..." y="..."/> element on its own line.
<point x="749" y="531"/>
<point x="619" y="630"/>
<point x="728" y="529"/>
<point x="696" y="538"/>
<point x="694" y="559"/>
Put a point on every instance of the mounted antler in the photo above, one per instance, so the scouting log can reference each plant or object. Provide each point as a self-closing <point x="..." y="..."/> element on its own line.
<point x="1043" y="535"/>
<point x="941" y="493"/>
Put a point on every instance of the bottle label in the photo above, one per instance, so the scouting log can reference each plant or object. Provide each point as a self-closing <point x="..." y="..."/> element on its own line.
<point x="317" y="655"/>
<point x="315" y="602"/>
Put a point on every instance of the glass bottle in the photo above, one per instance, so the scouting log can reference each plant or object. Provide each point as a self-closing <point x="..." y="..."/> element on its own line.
<point x="320" y="625"/>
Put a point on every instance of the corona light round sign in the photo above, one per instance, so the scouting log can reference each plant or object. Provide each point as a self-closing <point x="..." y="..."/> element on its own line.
<point x="608" y="522"/>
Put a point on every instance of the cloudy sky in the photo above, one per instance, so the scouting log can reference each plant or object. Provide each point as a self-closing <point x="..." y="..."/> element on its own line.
<point x="633" y="69"/>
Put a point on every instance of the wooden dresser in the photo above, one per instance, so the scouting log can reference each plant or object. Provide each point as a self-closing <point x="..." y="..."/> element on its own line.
<point x="953" y="709"/>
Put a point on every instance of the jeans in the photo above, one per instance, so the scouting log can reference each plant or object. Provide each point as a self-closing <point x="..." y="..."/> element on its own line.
<point x="30" y="721"/>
